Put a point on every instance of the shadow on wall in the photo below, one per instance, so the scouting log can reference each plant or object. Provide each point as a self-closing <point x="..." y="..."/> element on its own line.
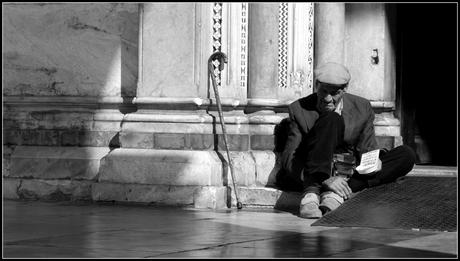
<point x="86" y="51"/>
<point x="223" y="160"/>
<point x="129" y="46"/>
<point x="129" y="70"/>
<point x="66" y="57"/>
<point x="71" y="49"/>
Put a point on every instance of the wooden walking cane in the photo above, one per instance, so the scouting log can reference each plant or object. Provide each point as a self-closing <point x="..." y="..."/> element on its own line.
<point x="222" y="58"/>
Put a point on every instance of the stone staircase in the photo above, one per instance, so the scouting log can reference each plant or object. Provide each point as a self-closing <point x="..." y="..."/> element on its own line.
<point x="166" y="152"/>
<point x="158" y="177"/>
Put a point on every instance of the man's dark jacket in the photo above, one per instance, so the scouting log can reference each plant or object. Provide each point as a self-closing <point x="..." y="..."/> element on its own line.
<point x="359" y="133"/>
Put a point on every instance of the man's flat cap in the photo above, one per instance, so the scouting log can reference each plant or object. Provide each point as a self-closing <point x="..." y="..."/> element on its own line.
<point x="332" y="73"/>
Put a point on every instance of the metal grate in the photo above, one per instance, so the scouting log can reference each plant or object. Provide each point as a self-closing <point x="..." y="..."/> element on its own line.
<point x="409" y="203"/>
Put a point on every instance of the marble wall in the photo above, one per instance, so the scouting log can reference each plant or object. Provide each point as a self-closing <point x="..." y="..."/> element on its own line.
<point x="68" y="66"/>
<point x="70" y="49"/>
<point x="366" y="29"/>
<point x="168" y="53"/>
<point x="263" y="50"/>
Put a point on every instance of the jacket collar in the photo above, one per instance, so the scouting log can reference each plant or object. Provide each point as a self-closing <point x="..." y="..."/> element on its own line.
<point x="347" y="105"/>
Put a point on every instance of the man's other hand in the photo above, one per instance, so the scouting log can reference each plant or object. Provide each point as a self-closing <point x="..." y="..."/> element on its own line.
<point x="339" y="185"/>
<point x="379" y="165"/>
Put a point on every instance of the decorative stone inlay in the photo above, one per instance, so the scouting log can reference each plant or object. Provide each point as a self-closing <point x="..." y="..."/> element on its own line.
<point x="295" y="48"/>
<point x="217" y="39"/>
<point x="243" y="49"/>
<point x="282" y="45"/>
<point x="311" y="17"/>
<point x="297" y="79"/>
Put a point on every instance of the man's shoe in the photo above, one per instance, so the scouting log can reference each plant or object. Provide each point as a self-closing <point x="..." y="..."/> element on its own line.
<point x="309" y="206"/>
<point x="330" y="201"/>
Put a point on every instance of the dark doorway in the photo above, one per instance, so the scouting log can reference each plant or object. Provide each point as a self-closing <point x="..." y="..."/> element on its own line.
<point x="427" y="80"/>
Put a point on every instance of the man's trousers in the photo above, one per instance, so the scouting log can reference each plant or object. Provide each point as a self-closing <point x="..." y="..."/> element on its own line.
<point x="325" y="139"/>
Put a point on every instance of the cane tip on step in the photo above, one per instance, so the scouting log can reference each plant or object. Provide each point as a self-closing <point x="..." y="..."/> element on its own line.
<point x="198" y="101"/>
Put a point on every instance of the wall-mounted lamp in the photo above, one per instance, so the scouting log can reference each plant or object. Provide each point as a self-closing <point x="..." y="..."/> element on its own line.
<point x="375" y="56"/>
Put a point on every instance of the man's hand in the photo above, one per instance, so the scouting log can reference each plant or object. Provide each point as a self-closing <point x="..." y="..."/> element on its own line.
<point x="379" y="165"/>
<point x="339" y="185"/>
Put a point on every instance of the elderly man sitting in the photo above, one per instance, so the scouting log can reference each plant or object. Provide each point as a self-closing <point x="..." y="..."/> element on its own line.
<point x="329" y="122"/>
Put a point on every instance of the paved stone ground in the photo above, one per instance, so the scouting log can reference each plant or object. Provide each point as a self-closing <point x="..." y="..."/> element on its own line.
<point x="35" y="229"/>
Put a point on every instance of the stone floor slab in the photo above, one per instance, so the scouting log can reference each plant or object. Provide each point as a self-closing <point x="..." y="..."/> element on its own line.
<point x="80" y="230"/>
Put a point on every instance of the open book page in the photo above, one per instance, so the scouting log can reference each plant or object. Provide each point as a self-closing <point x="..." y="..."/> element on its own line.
<point x="369" y="162"/>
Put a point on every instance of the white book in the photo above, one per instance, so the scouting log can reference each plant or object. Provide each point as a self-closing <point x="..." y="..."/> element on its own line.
<point x="369" y="162"/>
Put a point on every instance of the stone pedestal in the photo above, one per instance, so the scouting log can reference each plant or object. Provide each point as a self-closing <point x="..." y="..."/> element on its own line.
<point x="124" y="110"/>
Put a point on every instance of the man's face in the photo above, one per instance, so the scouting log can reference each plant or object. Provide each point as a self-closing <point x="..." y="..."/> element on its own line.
<point x="328" y="95"/>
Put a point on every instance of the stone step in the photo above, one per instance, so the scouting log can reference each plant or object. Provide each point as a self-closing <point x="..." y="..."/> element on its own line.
<point x="41" y="162"/>
<point x="433" y="171"/>
<point x="143" y="166"/>
<point x="162" y="167"/>
<point x="173" y="177"/>
<point x="214" y="197"/>
<point x="266" y="197"/>
<point x="269" y="197"/>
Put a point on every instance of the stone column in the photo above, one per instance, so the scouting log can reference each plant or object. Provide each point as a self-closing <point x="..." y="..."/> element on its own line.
<point x="329" y="32"/>
<point x="281" y="53"/>
<point x="263" y="50"/>
<point x="173" y="53"/>
<point x="230" y="36"/>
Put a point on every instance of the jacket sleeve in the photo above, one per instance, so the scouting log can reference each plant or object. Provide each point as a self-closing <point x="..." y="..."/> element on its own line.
<point x="366" y="140"/>
<point x="292" y="143"/>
